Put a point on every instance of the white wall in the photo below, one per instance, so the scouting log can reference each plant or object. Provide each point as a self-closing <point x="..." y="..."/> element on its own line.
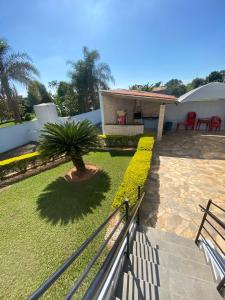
<point x="93" y="116"/>
<point x="204" y="109"/>
<point x="18" y="135"/>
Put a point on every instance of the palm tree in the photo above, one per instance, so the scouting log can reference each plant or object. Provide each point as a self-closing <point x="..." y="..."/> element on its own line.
<point x="14" y="68"/>
<point x="72" y="139"/>
<point x="88" y="77"/>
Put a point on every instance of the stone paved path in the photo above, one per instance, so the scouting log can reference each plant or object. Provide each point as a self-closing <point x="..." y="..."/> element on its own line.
<point x="188" y="168"/>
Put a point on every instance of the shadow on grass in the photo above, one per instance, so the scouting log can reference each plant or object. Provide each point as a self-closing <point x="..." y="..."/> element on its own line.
<point x="63" y="202"/>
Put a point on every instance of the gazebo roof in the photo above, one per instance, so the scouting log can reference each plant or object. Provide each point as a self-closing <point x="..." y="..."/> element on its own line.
<point x="140" y="95"/>
<point x="208" y="92"/>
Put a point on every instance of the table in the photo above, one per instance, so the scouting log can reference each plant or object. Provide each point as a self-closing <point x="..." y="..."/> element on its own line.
<point x="203" y="121"/>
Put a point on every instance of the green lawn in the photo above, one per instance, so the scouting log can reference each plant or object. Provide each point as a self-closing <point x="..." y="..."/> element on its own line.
<point x="7" y="124"/>
<point x="11" y="123"/>
<point x="43" y="219"/>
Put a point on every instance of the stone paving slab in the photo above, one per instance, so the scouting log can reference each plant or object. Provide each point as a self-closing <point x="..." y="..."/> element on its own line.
<point x="188" y="169"/>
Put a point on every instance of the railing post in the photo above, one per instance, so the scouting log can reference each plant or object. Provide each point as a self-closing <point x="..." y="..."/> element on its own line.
<point x="221" y="288"/>
<point x="138" y="213"/>
<point x="203" y="220"/>
<point x="128" y="234"/>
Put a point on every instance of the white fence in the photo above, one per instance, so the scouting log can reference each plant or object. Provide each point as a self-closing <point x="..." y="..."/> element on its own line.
<point x="18" y="135"/>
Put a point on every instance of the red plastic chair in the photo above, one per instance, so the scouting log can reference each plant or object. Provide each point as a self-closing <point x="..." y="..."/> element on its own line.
<point x="190" y="121"/>
<point x="215" y="123"/>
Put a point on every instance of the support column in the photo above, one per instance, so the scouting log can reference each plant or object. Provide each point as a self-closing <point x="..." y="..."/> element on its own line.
<point x="161" y="122"/>
<point x="102" y="111"/>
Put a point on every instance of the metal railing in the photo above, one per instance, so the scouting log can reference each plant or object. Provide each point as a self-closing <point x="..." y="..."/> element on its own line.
<point x="129" y="215"/>
<point x="204" y="233"/>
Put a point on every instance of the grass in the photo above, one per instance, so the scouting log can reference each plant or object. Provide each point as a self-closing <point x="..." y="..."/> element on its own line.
<point x="11" y="123"/>
<point x="43" y="219"/>
<point x="7" y="124"/>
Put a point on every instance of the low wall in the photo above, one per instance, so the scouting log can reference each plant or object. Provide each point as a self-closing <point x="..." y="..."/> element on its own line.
<point x="18" y="135"/>
<point x="123" y="129"/>
<point x="204" y="109"/>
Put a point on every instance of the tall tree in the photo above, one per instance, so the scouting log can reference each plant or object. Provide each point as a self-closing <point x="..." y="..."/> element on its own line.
<point x="88" y="77"/>
<point x="14" y="68"/>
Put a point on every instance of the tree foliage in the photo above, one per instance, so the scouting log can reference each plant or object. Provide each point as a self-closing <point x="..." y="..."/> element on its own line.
<point x="14" y="68"/>
<point x="37" y="93"/>
<point x="72" y="139"/>
<point x="88" y="76"/>
<point x="65" y="98"/>
<point x="145" y="87"/>
<point x="215" y="76"/>
<point x="197" y="82"/>
<point x="175" y="87"/>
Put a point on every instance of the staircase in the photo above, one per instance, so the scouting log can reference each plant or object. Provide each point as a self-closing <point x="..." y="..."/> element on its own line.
<point x="164" y="266"/>
<point x="149" y="264"/>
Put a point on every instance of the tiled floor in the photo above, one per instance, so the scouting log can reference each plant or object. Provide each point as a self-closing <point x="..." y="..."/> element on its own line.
<point x="188" y="168"/>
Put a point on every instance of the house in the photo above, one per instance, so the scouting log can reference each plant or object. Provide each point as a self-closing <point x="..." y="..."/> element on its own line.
<point x="141" y="111"/>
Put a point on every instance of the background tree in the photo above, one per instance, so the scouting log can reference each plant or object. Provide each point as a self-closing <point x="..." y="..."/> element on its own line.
<point x="175" y="87"/>
<point x="5" y="114"/>
<point x="88" y="77"/>
<point x="37" y="93"/>
<point x="14" y="68"/>
<point x="72" y="139"/>
<point x="215" y="76"/>
<point x="145" y="87"/>
<point x="197" y="82"/>
<point x="66" y="99"/>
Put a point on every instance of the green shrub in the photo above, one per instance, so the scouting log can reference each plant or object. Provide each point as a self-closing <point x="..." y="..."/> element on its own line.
<point x="20" y="164"/>
<point x="111" y="141"/>
<point x="27" y="117"/>
<point x="136" y="174"/>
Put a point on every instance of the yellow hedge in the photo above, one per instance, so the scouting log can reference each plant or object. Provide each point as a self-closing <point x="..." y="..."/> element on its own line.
<point x="136" y="173"/>
<point x="145" y="143"/>
<point x="21" y="157"/>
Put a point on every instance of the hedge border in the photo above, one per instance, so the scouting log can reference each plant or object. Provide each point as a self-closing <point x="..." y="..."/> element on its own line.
<point x="136" y="173"/>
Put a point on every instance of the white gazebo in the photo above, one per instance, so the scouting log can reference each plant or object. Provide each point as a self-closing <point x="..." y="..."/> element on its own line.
<point x="144" y="111"/>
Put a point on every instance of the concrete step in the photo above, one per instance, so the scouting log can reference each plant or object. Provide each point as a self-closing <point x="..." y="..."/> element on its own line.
<point x="154" y="273"/>
<point x="131" y="288"/>
<point x="153" y="233"/>
<point x="170" y="261"/>
<point x="176" y="250"/>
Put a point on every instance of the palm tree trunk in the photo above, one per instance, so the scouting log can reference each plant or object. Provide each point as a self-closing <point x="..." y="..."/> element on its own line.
<point x="12" y="103"/>
<point x="78" y="162"/>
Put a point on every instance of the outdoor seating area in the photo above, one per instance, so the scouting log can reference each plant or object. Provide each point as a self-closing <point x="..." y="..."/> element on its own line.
<point x="194" y="123"/>
<point x="127" y="112"/>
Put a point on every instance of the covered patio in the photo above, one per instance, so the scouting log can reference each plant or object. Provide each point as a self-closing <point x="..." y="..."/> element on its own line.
<point x="126" y="112"/>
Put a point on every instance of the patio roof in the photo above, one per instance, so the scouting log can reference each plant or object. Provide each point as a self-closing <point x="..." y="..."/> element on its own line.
<point x="140" y="95"/>
<point x="209" y="92"/>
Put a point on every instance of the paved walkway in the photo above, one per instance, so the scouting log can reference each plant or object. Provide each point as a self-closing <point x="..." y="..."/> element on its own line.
<point x="188" y="168"/>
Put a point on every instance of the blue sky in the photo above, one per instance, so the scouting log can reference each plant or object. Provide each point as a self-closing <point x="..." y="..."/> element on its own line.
<point x="142" y="40"/>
